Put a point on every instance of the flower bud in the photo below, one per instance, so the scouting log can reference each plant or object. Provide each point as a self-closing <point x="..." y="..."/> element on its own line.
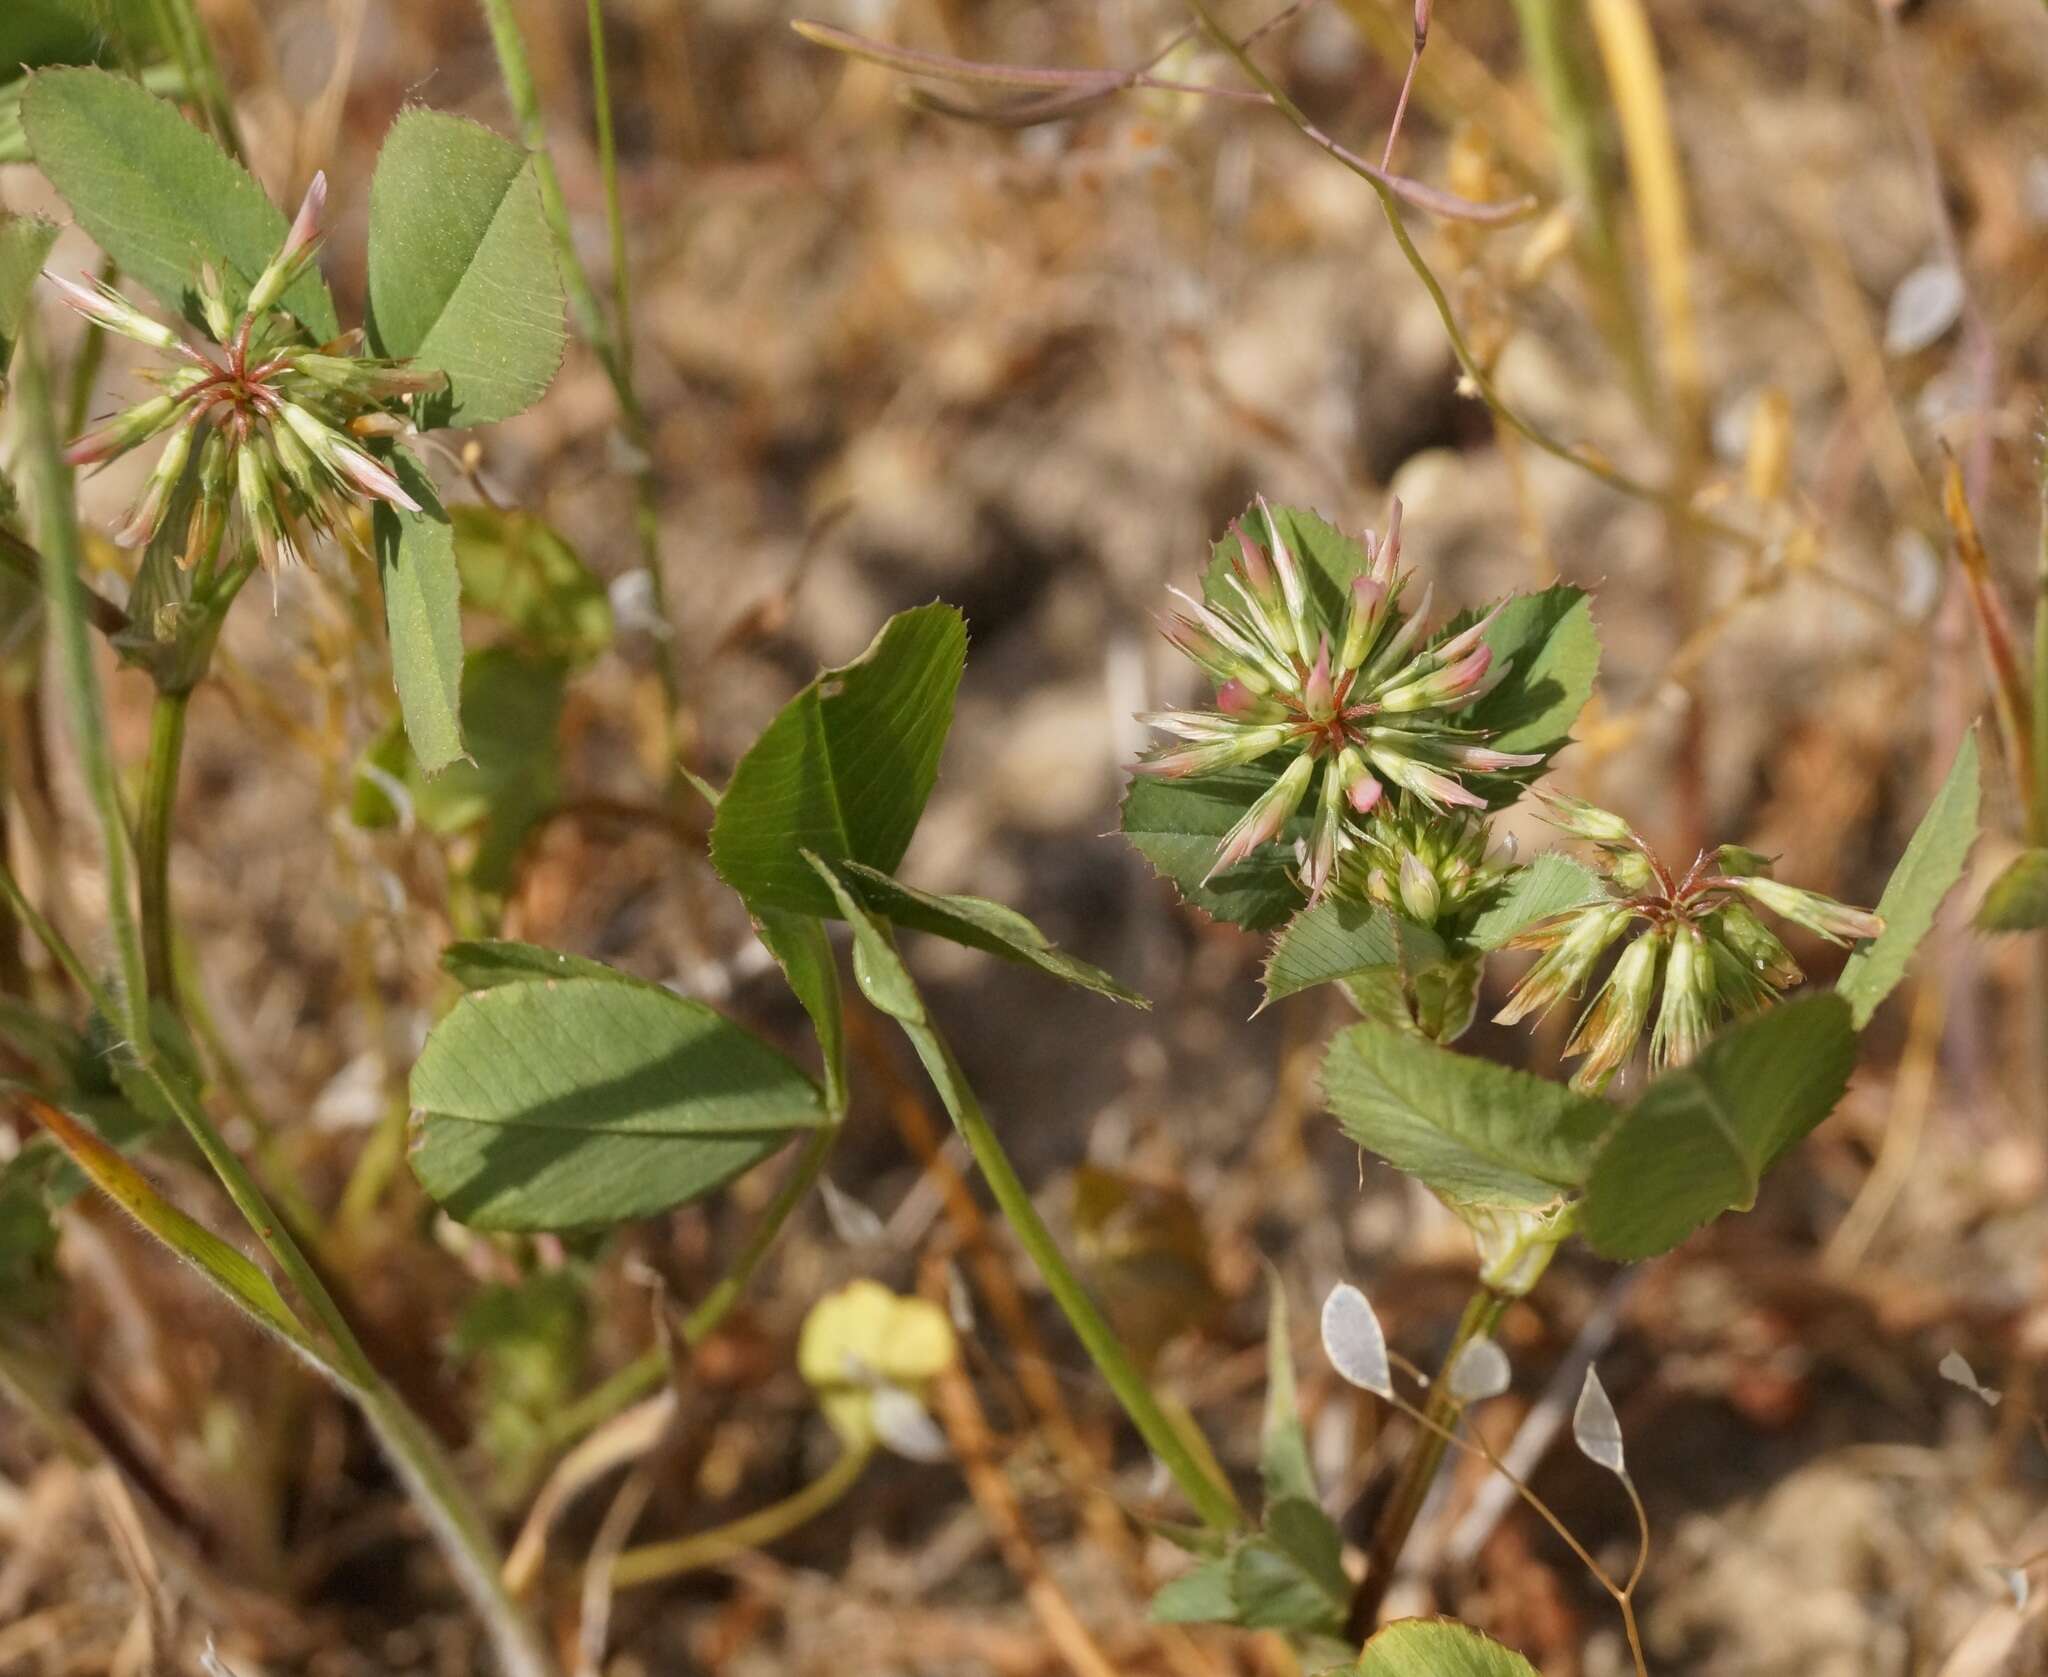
<point x="1361" y="790"/>
<point x="213" y="304"/>
<point x="1421" y="897"/>
<point x="1367" y="613"/>
<point x="1293" y="586"/>
<point x="1262" y="822"/>
<point x="1318" y="695"/>
<point x="1394" y="654"/>
<point x="1483" y="759"/>
<point x="1686" y="1018"/>
<point x="1432" y="786"/>
<point x="1386" y="561"/>
<point x="105" y="307"/>
<point x="1630" y="870"/>
<point x="1586" y="821"/>
<point x="1755" y="945"/>
<point x="1608" y="1033"/>
<point x="148" y="512"/>
<point x="1448" y="686"/>
<point x="294" y="254"/>
<point x="1571" y="946"/>
<point x="1837" y="922"/>
<point x="124" y="431"/>
<point x="1326" y="837"/>
<point x="1734" y="859"/>
<point x="1208" y="756"/>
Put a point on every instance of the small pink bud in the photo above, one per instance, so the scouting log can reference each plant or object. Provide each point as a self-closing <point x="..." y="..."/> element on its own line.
<point x="1364" y="794"/>
<point x="1233" y="698"/>
<point x="1318" y="697"/>
<point x="370" y="476"/>
<point x="306" y="227"/>
<point x="1485" y="760"/>
<point x="1469" y="671"/>
<point x="1387" y="560"/>
<point x="1253" y="565"/>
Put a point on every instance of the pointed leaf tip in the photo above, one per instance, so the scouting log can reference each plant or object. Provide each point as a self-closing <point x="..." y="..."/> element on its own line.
<point x="1354" y="1341"/>
<point x="1596" y="1429"/>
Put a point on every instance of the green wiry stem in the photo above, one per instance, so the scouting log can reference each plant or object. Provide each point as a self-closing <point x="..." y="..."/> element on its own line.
<point x="1419" y="1470"/>
<point x="464" y="1538"/>
<point x="1211" y="1499"/>
<point x="608" y="337"/>
<point x="153" y="839"/>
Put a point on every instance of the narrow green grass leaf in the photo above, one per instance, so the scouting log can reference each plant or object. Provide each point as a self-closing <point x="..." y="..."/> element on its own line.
<point x="1932" y="864"/>
<point x="2018" y="898"/>
<point x="1699" y="1141"/>
<point x="422" y="616"/>
<point x="978" y="924"/>
<point x="157" y="195"/>
<point x="234" y="1274"/>
<point x="845" y="768"/>
<point x="1479" y="1134"/>
<point x="584" y="1101"/>
<point x="462" y="267"/>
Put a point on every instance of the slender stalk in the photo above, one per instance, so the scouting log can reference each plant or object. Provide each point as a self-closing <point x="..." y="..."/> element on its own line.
<point x="26" y="562"/>
<point x="2037" y="813"/>
<point x="753" y="1531"/>
<point x="1211" y="1498"/>
<point x="54" y="941"/>
<point x="609" y="338"/>
<point x="62" y="560"/>
<point x="1419" y="1470"/>
<point x="153" y="840"/>
<point x="463" y="1536"/>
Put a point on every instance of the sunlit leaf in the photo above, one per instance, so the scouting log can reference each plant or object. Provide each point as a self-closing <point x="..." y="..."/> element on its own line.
<point x="1436" y="1648"/>
<point x="1479" y="1134"/>
<point x="979" y="924"/>
<point x="1932" y="864"/>
<point x="1283" y="1443"/>
<point x="845" y="768"/>
<point x="584" y="1101"/>
<point x="1700" y="1139"/>
<point x="2018" y="898"/>
<point x="422" y="616"/>
<point x="462" y="267"/>
<point x="159" y="196"/>
<point x="1549" y="885"/>
<point x="1338" y="939"/>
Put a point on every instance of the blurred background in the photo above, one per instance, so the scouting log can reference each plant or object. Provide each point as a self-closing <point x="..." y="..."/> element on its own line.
<point x="888" y="356"/>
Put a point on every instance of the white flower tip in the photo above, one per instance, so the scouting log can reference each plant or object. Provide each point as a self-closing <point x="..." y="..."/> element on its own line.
<point x="1596" y="1429"/>
<point x="1354" y="1341"/>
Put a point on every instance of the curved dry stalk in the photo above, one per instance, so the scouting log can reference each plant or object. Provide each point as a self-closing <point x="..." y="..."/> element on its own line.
<point x="1084" y="86"/>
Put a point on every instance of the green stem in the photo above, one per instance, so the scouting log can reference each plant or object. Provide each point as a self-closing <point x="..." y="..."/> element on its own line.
<point x="1419" y="1470"/>
<point x="26" y="562"/>
<point x="646" y="1372"/>
<point x="463" y="1537"/>
<point x="2037" y="817"/>
<point x="609" y="338"/>
<point x="62" y="556"/>
<point x="153" y="840"/>
<point x="1210" y="1498"/>
<point x="753" y="1531"/>
<point x="54" y="941"/>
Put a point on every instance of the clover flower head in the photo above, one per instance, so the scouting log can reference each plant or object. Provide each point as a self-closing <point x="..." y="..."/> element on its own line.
<point x="275" y="424"/>
<point x="1363" y="707"/>
<point x="1423" y="866"/>
<point x="1699" y="955"/>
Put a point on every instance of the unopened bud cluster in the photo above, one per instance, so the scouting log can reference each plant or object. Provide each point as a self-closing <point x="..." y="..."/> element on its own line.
<point x="1696" y="954"/>
<point x="273" y="427"/>
<point x="1359" y="712"/>
<point x="1424" y="867"/>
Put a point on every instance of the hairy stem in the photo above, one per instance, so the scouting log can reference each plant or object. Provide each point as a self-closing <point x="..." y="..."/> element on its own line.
<point x="1210" y="1498"/>
<point x="1419" y="1470"/>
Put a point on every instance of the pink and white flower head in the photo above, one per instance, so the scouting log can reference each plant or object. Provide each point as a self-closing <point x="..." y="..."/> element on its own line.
<point x="265" y="428"/>
<point x="1336" y="675"/>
